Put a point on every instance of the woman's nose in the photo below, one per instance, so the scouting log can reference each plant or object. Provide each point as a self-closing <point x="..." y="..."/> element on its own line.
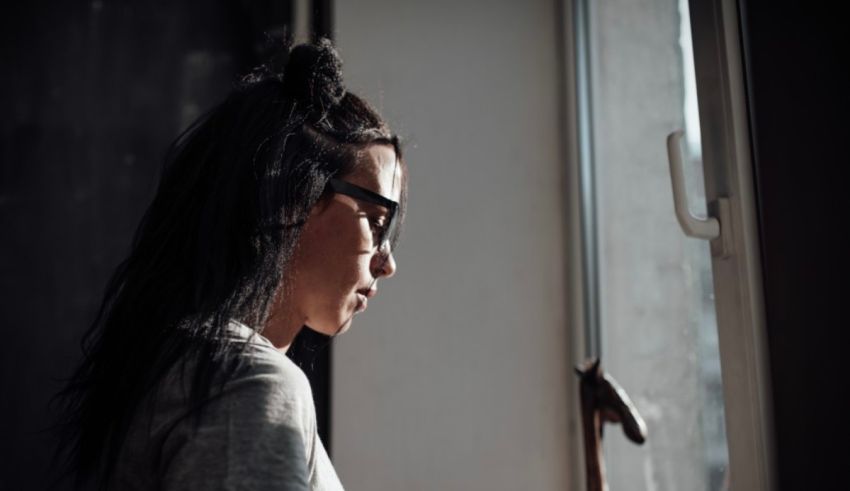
<point x="385" y="265"/>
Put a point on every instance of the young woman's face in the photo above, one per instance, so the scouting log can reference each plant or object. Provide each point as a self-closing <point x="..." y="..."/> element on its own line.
<point x="337" y="264"/>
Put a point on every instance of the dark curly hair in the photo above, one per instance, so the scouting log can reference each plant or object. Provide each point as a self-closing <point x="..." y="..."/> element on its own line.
<point x="214" y="245"/>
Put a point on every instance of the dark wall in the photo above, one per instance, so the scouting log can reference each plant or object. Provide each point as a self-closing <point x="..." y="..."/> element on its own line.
<point x="92" y="94"/>
<point x="797" y="69"/>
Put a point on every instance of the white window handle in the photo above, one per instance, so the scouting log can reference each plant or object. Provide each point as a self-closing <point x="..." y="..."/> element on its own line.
<point x="701" y="228"/>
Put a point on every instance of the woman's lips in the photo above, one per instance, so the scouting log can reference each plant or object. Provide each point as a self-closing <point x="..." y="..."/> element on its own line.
<point x="363" y="297"/>
<point x="362" y="303"/>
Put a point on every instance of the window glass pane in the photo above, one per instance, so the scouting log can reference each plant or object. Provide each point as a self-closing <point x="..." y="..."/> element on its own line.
<point x="657" y="318"/>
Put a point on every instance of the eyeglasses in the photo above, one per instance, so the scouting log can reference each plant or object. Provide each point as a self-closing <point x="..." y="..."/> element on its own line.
<point x="385" y="234"/>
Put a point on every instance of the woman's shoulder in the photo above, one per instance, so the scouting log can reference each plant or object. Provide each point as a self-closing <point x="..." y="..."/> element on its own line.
<point x="264" y="366"/>
<point x="258" y="389"/>
<point x="265" y="396"/>
<point x="253" y="376"/>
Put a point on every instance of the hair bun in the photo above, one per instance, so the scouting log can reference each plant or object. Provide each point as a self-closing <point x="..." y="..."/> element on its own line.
<point x="313" y="74"/>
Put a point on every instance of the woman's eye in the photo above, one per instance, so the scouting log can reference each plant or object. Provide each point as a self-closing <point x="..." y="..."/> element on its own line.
<point x="376" y="223"/>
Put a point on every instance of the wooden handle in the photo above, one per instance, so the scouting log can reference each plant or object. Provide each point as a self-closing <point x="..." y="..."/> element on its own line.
<point x="603" y="399"/>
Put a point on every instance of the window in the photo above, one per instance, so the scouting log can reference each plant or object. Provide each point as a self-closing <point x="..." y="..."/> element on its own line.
<point x="649" y="307"/>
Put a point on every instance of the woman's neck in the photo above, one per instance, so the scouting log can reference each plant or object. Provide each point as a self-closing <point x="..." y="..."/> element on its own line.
<point x="281" y="328"/>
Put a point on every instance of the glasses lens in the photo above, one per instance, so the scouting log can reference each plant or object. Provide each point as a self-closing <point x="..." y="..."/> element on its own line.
<point x="384" y="237"/>
<point x="388" y="233"/>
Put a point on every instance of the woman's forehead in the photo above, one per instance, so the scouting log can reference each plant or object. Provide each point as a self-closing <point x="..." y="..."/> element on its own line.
<point x="378" y="170"/>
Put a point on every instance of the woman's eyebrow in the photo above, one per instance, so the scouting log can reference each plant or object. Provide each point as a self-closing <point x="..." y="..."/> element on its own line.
<point x="373" y="206"/>
<point x="366" y="208"/>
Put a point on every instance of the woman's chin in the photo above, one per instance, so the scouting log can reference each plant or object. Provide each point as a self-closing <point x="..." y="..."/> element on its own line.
<point x="332" y="328"/>
<point x="345" y="326"/>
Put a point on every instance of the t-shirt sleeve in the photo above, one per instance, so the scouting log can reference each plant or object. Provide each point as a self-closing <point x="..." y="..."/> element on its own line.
<point x="255" y="435"/>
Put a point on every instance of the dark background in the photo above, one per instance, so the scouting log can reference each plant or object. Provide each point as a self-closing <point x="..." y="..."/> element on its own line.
<point x="797" y="69"/>
<point x="92" y="94"/>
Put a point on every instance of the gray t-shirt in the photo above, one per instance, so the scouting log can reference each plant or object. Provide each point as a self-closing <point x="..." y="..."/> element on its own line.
<point x="258" y="434"/>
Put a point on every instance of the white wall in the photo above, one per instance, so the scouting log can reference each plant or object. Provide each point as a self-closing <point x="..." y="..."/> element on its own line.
<point x="457" y="376"/>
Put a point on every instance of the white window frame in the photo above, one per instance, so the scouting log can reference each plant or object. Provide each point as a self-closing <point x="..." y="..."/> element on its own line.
<point x="737" y="272"/>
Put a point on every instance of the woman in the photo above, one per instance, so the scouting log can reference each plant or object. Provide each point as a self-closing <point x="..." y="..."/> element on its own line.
<point x="279" y="209"/>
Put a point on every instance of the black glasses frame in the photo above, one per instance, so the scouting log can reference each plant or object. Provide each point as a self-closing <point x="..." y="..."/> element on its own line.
<point x="344" y="187"/>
